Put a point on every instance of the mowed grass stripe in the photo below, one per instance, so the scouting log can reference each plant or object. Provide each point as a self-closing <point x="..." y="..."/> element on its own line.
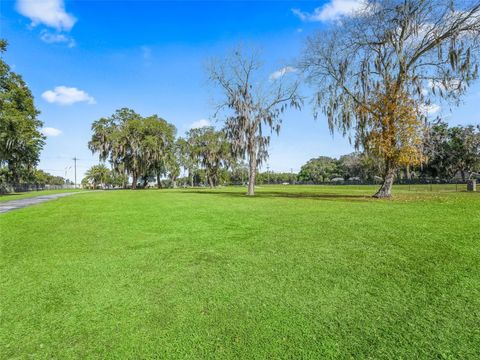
<point x="295" y="272"/>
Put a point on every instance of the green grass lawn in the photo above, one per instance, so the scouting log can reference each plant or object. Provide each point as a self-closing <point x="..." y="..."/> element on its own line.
<point x="295" y="272"/>
<point x="29" y="194"/>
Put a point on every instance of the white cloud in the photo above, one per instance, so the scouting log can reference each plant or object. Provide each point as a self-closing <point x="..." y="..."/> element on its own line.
<point x="431" y="109"/>
<point x="47" y="12"/>
<point x="332" y="10"/>
<point x="64" y="95"/>
<point x="52" y="38"/>
<point x="279" y="73"/>
<point x="302" y="15"/>
<point x="200" y="124"/>
<point x="49" y="131"/>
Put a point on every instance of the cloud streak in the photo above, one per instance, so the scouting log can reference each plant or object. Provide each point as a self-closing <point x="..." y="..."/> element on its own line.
<point x="331" y="11"/>
<point x="64" y="95"/>
<point x="431" y="109"/>
<point x="53" y="38"/>
<point x="200" y="124"/>
<point x="50" y="131"/>
<point x="281" y="72"/>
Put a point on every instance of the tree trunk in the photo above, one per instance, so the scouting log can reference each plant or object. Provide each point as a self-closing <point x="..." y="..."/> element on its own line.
<point x="252" y="174"/>
<point x="385" y="190"/>
<point x="190" y="175"/>
<point x="174" y="183"/>
<point x="159" y="183"/>
<point x="134" y="180"/>
<point x="125" y="179"/>
<point x="210" y="181"/>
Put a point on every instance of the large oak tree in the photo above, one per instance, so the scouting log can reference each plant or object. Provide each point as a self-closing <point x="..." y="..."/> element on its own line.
<point x="134" y="145"/>
<point x="251" y="105"/>
<point x="20" y="138"/>
<point x="378" y="71"/>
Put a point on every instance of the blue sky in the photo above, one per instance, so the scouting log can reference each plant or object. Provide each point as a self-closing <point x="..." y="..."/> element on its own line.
<point x="84" y="59"/>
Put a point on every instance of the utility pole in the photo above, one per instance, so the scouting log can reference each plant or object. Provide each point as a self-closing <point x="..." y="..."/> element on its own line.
<point x="75" y="166"/>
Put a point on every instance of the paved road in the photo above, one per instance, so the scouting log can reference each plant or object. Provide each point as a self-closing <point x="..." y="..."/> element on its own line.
<point x="21" y="203"/>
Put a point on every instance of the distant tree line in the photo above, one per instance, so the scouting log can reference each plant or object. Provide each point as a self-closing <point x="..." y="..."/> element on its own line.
<point x="42" y="178"/>
<point x="146" y="150"/>
<point x="449" y="153"/>
<point x="205" y="155"/>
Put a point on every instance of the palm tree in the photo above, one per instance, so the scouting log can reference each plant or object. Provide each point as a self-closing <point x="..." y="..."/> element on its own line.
<point x="98" y="175"/>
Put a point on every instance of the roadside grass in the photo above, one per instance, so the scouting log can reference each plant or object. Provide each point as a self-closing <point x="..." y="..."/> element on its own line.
<point x="312" y="272"/>
<point x="30" y="194"/>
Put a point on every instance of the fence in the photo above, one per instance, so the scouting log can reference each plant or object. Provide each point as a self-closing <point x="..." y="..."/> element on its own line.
<point x="404" y="184"/>
<point x="423" y="184"/>
<point x="7" y="188"/>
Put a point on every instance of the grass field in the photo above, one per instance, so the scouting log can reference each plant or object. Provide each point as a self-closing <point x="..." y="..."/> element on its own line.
<point x="296" y="272"/>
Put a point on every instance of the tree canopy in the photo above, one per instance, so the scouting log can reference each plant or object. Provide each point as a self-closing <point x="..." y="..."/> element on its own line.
<point x="452" y="150"/>
<point x="212" y="151"/>
<point x="377" y="72"/>
<point x="251" y="105"/>
<point x="20" y="138"/>
<point x="135" y="146"/>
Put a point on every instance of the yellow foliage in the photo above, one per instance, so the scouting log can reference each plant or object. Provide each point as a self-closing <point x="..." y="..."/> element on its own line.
<point x="394" y="129"/>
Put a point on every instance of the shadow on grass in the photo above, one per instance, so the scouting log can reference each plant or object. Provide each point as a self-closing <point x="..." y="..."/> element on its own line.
<point x="284" y="194"/>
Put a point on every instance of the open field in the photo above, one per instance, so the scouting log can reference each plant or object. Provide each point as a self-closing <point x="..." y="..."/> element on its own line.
<point x="295" y="272"/>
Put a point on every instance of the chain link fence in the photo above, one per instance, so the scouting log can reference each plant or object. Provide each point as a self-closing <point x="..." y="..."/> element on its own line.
<point x="8" y="188"/>
<point x="423" y="184"/>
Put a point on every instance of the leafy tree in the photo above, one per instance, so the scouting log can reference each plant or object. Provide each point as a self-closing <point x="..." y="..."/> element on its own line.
<point x="117" y="179"/>
<point x="272" y="177"/>
<point x="453" y="150"/>
<point x="42" y="178"/>
<point x="251" y="106"/>
<point x="135" y="146"/>
<point x="350" y="166"/>
<point x="377" y="72"/>
<point x="98" y="175"/>
<point x="361" y="165"/>
<point x="20" y="138"/>
<point x="110" y="139"/>
<point x="159" y="148"/>
<point x="173" y="162"/>
<point x="188" y="158"/>
<point x="212" y="150"/>
<point x="318" y="170"/>
<point x="238" y="172"/>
